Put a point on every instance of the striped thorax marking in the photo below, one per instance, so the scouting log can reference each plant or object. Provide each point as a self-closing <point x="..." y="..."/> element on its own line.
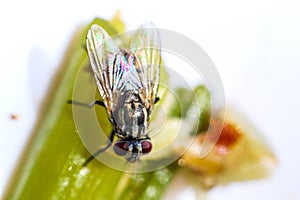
<point x="130" y="116"/>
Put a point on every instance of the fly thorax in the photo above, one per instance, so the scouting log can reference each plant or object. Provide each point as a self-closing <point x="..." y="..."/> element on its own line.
<point x="131" y="117"/>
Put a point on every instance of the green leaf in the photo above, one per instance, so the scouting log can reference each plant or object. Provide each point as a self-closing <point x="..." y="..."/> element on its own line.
<point x="51" y="166"/>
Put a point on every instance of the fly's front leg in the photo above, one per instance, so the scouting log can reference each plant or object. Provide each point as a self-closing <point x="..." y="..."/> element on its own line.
<point x="109" y="142"/>
<point x="98" y="102"/>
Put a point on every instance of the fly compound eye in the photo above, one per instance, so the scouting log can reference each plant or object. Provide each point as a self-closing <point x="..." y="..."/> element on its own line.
<point x="146" y="146"/>
<point x="121" y="148"/>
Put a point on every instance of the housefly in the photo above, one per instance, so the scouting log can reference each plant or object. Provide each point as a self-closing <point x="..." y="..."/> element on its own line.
<point x="127" y="80"/>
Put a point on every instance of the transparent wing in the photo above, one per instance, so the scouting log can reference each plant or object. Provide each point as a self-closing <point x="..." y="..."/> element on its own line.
<point x="102" y="52"/>
<point x="146" y="47"/>
<point x="126" y="76"/>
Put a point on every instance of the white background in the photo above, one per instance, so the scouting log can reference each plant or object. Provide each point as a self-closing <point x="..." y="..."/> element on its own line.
<point x="254" y="44"/>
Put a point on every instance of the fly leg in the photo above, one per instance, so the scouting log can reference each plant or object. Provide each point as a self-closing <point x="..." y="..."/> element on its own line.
<point x="109" y="142"/>
<point x="111" y="136"/>
<point x="98" y="102"/>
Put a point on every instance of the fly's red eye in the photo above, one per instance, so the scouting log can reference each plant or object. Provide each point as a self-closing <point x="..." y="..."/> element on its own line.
<point x="121" y="148"/>
<point x="146" y="147"/>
